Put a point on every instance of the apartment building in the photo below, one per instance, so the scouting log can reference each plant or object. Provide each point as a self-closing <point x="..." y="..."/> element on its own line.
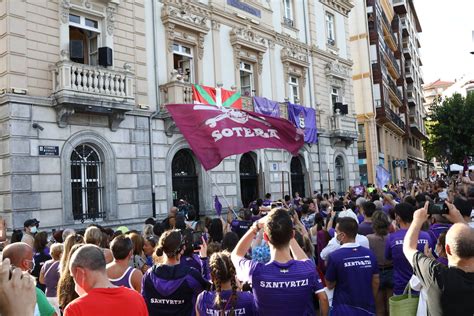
<point x="386" y="84"/>
<point x="410" y="29"/>
<point x="85" y="133"/>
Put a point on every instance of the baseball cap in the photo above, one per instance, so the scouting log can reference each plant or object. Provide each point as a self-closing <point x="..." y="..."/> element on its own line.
<point x="31" y="222"/>
<point x="123" y="229"/>
<point x="348" y="213"/>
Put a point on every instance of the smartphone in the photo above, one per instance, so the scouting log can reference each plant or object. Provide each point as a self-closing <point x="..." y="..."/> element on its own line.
<point x="197" y="240"/>
<point x="438" y="208"/>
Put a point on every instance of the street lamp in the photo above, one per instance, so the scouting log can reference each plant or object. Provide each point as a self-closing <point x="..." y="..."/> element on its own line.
<point x="448" y="153"/>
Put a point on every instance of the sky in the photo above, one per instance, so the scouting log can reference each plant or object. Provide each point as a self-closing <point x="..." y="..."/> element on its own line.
<point x="446" y="40"/>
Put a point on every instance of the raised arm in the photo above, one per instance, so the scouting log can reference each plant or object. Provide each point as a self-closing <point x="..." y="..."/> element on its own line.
<point x="411" y="238"/>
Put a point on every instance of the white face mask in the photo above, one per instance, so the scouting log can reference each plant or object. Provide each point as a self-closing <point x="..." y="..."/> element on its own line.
<point x="33" y="230"/>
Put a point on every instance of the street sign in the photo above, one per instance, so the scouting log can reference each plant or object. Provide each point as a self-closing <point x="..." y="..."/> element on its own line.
<point x="48" y="150"/>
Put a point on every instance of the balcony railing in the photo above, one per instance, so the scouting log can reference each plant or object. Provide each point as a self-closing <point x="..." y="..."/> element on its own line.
<point x="92" y="89"/>
<point x="97" y="80"/>
<point x="394" y="117"/>
<point x="394" y="89"/>
<point x="388" y="52"/>
<point x="175" y="92"/>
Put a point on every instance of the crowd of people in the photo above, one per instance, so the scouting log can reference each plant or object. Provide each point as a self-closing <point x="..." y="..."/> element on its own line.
<point x="330" y="254"/>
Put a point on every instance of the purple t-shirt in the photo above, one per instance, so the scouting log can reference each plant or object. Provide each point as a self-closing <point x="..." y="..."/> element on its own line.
<point x="436" y="230"/>
<point x="402" y="270"/>
<point x="282" y="288"/>
<point x="352" y="268"/>
<point x="243" y="306"/>
<point x="240" y="227"/>
<point x="360" y="217"/>
<point x="267" y="202"/>
<point x="386" y="208"/>
<point x="365" y="229"/>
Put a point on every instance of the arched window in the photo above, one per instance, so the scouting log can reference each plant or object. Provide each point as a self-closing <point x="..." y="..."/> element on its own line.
<point x="248" y="179"/>
<point x="185" y="179"/>
<point x="340" y="176"/>
<point x="86" y="183"/>
<point x="297" y="177"/>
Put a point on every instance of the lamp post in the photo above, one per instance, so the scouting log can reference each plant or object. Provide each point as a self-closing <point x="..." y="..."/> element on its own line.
<point x="448" y="153"/>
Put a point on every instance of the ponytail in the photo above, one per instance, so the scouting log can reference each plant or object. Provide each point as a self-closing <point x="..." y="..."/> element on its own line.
<point x="222" y="270"/>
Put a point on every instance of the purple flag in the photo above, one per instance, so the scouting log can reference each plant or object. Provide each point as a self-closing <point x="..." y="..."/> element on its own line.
<point x="382" y="176"/>
<point x="266" y="106"/>
<point x="215" y="133"/>
<point x="305" y="119"/>
<point x="217" y="206"/>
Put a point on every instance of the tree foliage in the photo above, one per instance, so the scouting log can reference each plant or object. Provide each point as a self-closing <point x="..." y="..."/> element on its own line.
<point x="451" y="128"/>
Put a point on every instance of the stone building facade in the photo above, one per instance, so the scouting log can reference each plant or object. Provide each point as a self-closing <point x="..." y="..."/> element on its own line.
<point x="85" y="133"/>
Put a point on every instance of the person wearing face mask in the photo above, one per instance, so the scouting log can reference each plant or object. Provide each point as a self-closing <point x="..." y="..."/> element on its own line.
<point x="21" y="256"/>
<point x="348" y="266"/>
<point x="30" y="228"/>
<point x="97" y="295"/>
<point x="335" y="242"/>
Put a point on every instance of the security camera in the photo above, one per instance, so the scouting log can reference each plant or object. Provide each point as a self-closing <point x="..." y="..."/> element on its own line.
<point x="36" y="125"/>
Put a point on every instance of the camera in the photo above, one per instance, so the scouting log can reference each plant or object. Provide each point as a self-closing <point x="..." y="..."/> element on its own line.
<point x="197" y="240"/>
<point x="438" y="208"/>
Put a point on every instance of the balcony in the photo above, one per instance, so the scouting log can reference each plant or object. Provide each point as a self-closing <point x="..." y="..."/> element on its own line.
<point x="408" y="75"/>
<point x="411" y="98"/>
<point x="395" y="94"/>
<point x="79" y="88"/>
<point x="393" y="68"/>
<point x="386" y="116"/>
<point x="407" y="52"/>
<point x="400" y="6"/>
<point x="405" y="27"/>
<point x="343" y="129"/>
<point x="174" y="92"/>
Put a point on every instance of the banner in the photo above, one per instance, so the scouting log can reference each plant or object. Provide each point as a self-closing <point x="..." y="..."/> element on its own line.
<point x="216" y="96"/>
<point x="382" y="176"/>
<point x="214" y="133"/>
<point x="304" y="118"/>
<point x="266" y="106"/>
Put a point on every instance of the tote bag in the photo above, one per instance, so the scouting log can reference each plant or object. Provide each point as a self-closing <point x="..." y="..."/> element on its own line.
<point x="403" y="305"/>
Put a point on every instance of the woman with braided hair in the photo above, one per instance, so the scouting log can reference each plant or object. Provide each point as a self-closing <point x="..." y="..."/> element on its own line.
<point x="225" y="300"/>
<point x="171" y="288"/>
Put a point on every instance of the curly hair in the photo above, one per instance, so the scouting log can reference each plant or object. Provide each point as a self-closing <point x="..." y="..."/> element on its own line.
<point x="66" y="292"/>
<point x="222" y="270"/>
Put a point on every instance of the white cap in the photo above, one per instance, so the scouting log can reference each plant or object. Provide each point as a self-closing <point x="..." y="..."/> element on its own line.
<point x="348" y="213"/>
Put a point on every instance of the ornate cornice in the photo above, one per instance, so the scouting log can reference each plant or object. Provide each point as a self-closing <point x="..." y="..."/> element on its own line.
<point x="185" y="14"/>
<point x="337" y="70"/>
<point x="341" y="6"/>
<point x="295" y="56"/>
<point x="247" y="37"/>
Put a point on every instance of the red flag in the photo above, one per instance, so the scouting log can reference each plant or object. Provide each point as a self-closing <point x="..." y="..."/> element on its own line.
<point x="214" y="133"/>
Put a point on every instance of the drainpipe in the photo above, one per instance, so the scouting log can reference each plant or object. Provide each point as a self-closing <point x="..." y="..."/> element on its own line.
<point x="154" y="114"/>
<point x="310" y="83"/>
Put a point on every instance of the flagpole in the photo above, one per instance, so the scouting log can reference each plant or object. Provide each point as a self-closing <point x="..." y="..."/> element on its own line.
<point x="221" y="193"/>
<point x="282" y="177"/>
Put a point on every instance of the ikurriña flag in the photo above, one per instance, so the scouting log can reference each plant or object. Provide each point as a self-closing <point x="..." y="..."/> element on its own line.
<point x="214" y="133"/>
<point x="210" y="95"/>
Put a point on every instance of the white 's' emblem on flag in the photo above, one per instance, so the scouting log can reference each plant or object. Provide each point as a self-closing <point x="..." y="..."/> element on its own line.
<point x="301" y="117"/>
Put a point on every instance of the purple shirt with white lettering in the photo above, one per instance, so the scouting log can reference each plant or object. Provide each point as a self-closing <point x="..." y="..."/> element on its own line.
<point x="282" y="288"/>
<point x="352" y="268"/>
<point x="402" y="270"/>
<point x="244" y="305"/>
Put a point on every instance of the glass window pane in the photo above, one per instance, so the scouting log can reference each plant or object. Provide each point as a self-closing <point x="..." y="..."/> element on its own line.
<point x="74" y="18"/>
<point x="92" y="23"/>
